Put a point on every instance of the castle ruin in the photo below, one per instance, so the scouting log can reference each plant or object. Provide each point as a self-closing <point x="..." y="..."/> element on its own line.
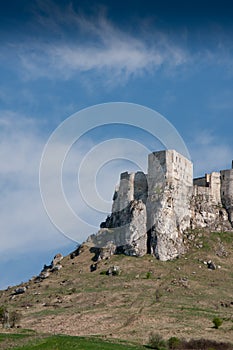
<point x="151" y="212"/>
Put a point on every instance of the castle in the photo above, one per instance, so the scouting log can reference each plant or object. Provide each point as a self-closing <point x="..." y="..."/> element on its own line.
<point x="151" y="212"/>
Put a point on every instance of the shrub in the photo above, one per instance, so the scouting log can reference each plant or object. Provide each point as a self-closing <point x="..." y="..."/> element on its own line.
<point x="174" y="343"/>
<point x="103" y="273"/>
<point x="217" y="322"/>
<point x="157" y="342"/>
<point x="15" y="318"/>
<point x="9" y="319"/>
<point x="148" y="275"/>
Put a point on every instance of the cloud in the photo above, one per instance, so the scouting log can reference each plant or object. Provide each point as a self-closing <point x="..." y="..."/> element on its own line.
<point x="62" y="43"/>
<point x="76" y="43"/>
<point x="25" y="225"/>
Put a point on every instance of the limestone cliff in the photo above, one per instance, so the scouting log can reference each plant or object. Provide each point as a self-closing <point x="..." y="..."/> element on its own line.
<point x="150" y="213"/>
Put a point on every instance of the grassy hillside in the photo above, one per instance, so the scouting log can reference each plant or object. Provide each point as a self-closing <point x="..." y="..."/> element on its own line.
<point x="60" y="342"/>
<point x="177" y="298"/>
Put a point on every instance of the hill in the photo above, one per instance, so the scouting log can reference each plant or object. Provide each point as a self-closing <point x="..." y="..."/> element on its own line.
<point x="174" y="298"/>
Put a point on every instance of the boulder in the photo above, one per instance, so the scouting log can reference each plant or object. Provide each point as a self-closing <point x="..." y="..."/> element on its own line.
<point x="211" y="265"/>
<point x="57" y="259"/>
<point x="20" y="290"/>
<point x="114" y="271"/>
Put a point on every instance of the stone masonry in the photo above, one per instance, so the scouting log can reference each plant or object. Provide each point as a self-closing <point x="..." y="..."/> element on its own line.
<point x="151" y="212"/>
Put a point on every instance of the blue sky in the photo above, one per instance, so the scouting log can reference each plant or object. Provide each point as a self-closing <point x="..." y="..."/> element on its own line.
<point x="58" y="57"/>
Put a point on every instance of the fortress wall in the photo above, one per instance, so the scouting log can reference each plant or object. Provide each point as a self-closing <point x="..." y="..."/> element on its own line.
<point x="179" y="168"/>
<point x="140" y="186"/>
<point x="157" y="170"/>
<point x="125" y="192"/>
<point x="200" y="181"/>
<point x="215" y="187"/>
<point x="180" y="182"/>
<point x="132" y="186"/>
<point x="201" y="191"/>
<point x="209" y="186"/>
<point x="227" y="191"/>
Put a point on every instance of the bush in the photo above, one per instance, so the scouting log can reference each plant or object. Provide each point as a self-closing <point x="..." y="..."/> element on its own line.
<point x="148" y="275"/>
<point x="157" y="342"/>
<point x="217" y="322"/>
<point x="9" y="319"/>
<point x="15" y="318"/>
<point x="174" y="343"/>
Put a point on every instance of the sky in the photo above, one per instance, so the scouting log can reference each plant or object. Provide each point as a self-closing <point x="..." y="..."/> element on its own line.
<point x="60" y="57"/>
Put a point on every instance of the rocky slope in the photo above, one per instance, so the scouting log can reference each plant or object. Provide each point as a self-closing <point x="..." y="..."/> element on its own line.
<point x="128" y="297"/>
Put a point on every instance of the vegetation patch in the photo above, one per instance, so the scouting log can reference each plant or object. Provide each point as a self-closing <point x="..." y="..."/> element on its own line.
<point x="63" y="342"/>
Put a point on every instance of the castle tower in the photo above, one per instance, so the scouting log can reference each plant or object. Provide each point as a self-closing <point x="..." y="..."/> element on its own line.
<point x="170" y="180"/>
<point x="124" y="193"/>
<point x="133" y="186"/>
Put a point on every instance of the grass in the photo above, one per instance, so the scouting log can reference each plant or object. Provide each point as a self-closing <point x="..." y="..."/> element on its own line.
<point x="63" y="342"/>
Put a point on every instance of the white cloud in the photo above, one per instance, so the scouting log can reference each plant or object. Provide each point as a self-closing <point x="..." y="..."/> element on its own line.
<point x="79" y="44"/>
<point x="25" y="225"/>
<point x="62" y="44"/>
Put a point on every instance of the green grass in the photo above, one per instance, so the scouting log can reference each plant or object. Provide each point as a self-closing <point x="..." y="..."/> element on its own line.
<point x="63" y="342"/>
<point x="13" y="337"/>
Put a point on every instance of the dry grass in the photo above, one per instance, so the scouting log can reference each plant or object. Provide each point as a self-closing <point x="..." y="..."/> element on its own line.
<point x="180" y="298"/>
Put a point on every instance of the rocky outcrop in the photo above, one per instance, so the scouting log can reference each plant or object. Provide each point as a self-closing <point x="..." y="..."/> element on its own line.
<point x="53" y="267"/>
<point x="123" y="232"/>
<point x="205" y="213"/>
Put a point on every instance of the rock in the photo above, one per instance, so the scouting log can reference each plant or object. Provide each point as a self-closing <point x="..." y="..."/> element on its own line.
<point x="221" y="251"/>
<point x="20" y="290"/>
<point x="184" y="282"/>
<point x="56" y="268"/>
<point x="211" y="265"/>
<point x="106" y="252"/>
<point x="114" y="271"/>
<point x="126" y="234"/>
<point x="93" y="267"/>
<point x="57" y="259"/>
<point x="44" y="274"/>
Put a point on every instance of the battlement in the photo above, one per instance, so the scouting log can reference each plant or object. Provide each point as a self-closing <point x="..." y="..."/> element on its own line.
<point x="170" y="168"/>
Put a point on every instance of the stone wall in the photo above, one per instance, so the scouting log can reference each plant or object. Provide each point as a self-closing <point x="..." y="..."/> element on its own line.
<point x="227" y="191"/>
<point x="124" y="194"/>
<point x="210" y="185"/>
<point x="133" y="186"/>
<point x="200" y="181"/>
